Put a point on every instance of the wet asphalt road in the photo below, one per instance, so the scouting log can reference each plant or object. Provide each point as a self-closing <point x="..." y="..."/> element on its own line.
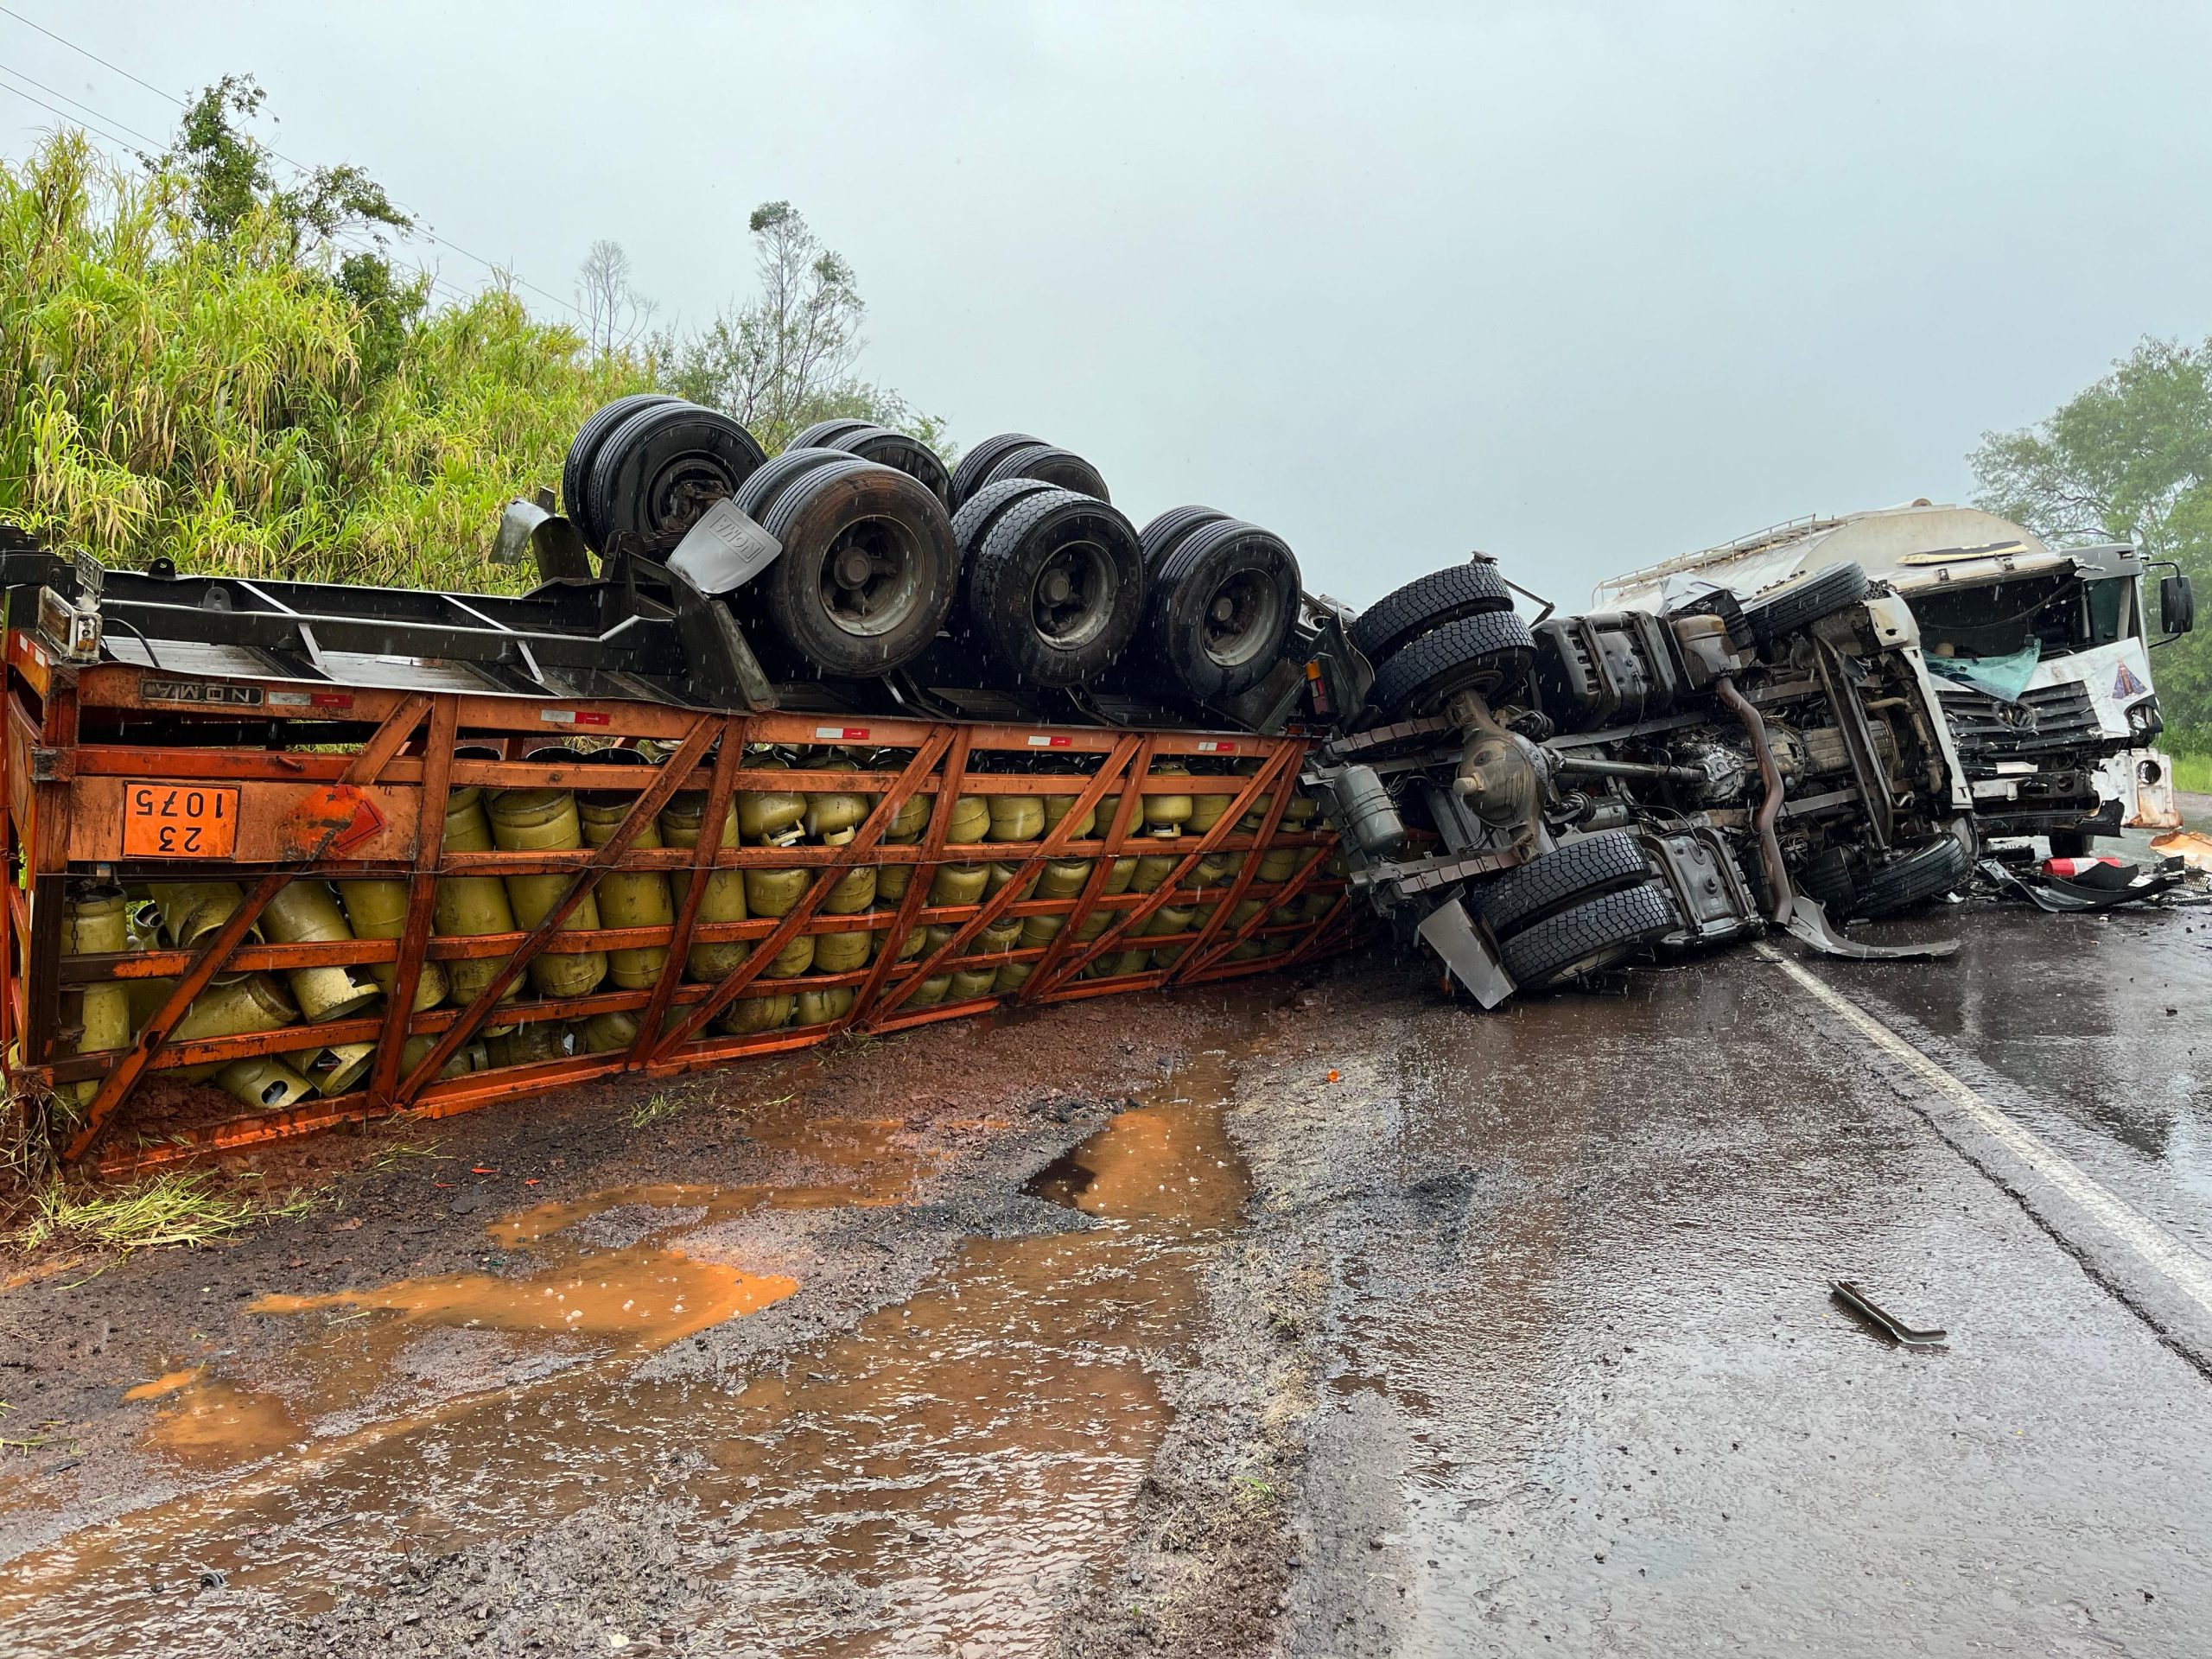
<point x="1598" y="1400"/>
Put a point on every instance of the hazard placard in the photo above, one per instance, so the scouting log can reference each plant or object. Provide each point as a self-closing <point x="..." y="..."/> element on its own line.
<point x="178" y="821"/>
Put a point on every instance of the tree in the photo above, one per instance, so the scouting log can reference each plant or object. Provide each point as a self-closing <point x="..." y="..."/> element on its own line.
<point x="2128" y="459"/>
<point x="789" y="356"/>
<point x="335" y="220"/>
<point x="615" y="314"/>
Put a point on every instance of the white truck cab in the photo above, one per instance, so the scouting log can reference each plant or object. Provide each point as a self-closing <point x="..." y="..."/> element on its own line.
<point x="2038" y="656"/>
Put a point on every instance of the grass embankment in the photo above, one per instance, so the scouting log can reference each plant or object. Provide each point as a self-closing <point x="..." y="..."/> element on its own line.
<point x="2193" y="773"/>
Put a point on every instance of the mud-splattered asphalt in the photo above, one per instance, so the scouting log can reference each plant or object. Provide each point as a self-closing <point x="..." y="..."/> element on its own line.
<point x="1130" y="1329"/>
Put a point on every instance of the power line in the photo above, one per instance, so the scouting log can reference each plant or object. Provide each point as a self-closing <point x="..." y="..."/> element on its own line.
<point x="506" y="272"/>
<point x="74" y="120"/>
<point x="80" y="103"/>
<point x="94" y="56"/>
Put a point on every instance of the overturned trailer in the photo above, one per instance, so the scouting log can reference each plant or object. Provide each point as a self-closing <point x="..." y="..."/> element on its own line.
<point x="843" y="740"/>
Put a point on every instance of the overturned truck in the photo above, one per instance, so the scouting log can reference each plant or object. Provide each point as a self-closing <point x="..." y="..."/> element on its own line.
<point x="1534" y="802"/>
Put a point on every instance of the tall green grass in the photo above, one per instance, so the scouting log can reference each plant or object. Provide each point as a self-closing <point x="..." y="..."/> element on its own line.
<point x="168" y="390"/>
<point x="2193" y="773"/>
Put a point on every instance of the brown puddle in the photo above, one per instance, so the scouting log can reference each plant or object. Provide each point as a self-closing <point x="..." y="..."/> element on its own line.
<point x="936" y="1475"/>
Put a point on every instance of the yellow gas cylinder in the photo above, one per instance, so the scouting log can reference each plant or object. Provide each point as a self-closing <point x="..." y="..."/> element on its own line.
<point x="1153" y="869"/>
<point x="1012" y="977"/>
<point x="1119" y="875"/>
<point x="916" y="939"/>
<point x="1114" y="966"/>
<point x="851" y="892"/>
<point x="820" y="1007"/>
<point x="1169" y="918"/>
<point x="306" y="911"/>
<point x="794" y="959"/>
<point x="841" y="953"/>
<point x="1038" y="932"/>
<point x="147" y="996"/>
<point x="339" y="1069"/>
<point x="377" y="910"/>
<point x="726" y="899"/>
<point x="1016" y="817"/>
<point x="971" y="983"/>
<point x="1063" y="877"/>
<point x="774" y="893"/>
<point x="909" y="820"/>
<point x="470" y="907"/>
<point x="1245" y="911"/>
<point x="609" y="1033"/>
<point x="1283" y="916"/>
<point x="1206" y="810"/>
<point x="959" y="884"/>
<point x="971" y="821"/>
<point x="192" y="911"/>
<point x="1103" y="819"/>
<point x="1056" y="808"/>
<point x="1023" y="877"/>
<point x="1166" y="815"/>
<point x="1299" y="811"/>
<point x="1315" y="906"/>
<point x="891" y="881"/>
<point x="265" y="1082"/>
<point x="1216" y="870"/>
<point x="469" y="1057"/>
<point x="627" y="897"/>
<point x="251" y="1002"/>
<point x="769" y="817"/>
<point x="544" y="821"/>
<point x="1001" y="936"/>
<point x="833" y="816"/>
<point x="95" y="921"/>
<point x="752" y="1014"/>
<point x="931" y="992"/>
<point x="1093" y="925"/>
<point x="1278" y="864"/>
<point x="530" y="1043"/>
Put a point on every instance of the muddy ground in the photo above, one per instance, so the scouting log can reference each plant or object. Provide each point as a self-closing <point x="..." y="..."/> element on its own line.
<point x="1321" y="1319"/>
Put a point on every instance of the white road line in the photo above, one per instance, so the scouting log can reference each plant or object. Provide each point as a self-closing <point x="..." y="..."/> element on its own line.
<point x="2190" y="1272"/>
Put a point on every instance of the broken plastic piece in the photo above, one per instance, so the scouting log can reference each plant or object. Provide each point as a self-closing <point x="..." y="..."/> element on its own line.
<point x="1910" y="1335"/>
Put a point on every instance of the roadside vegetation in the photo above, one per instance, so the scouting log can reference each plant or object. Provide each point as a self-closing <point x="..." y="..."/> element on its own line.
<point x="190" y="1209"/>
<point x="2130" y="458"/>
<point x="210" y="356"/>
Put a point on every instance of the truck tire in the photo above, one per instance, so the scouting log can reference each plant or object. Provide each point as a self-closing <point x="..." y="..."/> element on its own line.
<point x="1804" y="600"/>
<point x="1545" y="886"/>
<point x="868" y="569"/>
<point x="1165" y="532"/>
<point x="969" y="475"/>
<point x="1490" y="652"/>
<point x="1051" y="466"/>
<point x="583" y="449"/>
<point x="1918" y="877"/>
<point x="1591" y="936"/>
<point x="880" y="444"/>
<point x="661" y="469"/>
<point x="1427" y="603"/>
<point x="1826" y="878"/>
<point x="1055" y="584"/>
<point x="1222" y="602"/>
<point x="823" y="434"/>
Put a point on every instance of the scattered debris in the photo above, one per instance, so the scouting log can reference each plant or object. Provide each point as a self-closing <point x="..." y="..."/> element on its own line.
<point x="1859" y="1302"/>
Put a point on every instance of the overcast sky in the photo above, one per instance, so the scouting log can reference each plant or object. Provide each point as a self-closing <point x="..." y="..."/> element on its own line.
<point x="1582" y="286"/>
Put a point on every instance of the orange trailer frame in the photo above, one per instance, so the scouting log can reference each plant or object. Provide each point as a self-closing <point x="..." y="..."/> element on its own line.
<point x="340" y="781"/>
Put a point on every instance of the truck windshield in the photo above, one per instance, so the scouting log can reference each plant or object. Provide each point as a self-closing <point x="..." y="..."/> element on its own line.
<point x="2058" y="612"/>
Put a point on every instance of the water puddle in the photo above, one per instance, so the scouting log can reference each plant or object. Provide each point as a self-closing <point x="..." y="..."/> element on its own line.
<point x="937" y="1474"/>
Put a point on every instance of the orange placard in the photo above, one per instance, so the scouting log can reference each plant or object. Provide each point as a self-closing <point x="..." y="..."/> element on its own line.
<point x="178" y="821"/>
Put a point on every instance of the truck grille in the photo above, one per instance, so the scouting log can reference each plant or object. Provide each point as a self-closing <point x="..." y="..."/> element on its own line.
<point x="2049" y="719"/>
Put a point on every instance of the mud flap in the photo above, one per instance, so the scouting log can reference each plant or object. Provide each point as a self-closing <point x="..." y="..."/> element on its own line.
<point x="1808" y="923"/>
<point x="1448" y="932"/>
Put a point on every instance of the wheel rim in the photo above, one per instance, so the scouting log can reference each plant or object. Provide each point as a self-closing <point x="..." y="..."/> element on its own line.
<point x="1071" y="600"/>
<point x="870" y="578"/>
<point x="682" y="488"/>
<point x="1244" y="618"/>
